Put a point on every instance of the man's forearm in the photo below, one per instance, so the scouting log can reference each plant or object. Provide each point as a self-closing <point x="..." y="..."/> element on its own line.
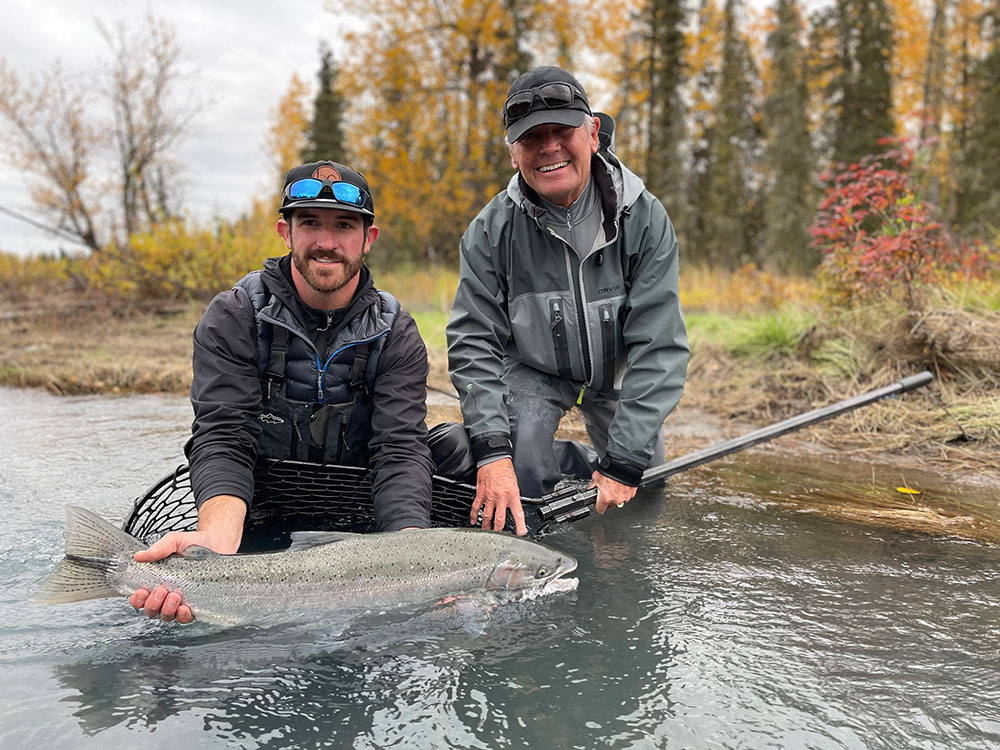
<point x="223" y="517"/>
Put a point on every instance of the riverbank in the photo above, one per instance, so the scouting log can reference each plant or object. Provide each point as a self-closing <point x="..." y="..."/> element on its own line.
<point x="748" y="369"/>
<point x="74" y="349"/>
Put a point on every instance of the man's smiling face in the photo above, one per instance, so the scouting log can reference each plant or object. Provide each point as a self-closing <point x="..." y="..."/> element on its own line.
<point x="328" y="246"/>
<point x="555" y="160"/>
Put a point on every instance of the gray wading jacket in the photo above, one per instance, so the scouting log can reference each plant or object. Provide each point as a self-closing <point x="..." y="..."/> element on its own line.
<point x="611" y="322"/>
<point x="227" y="393"/>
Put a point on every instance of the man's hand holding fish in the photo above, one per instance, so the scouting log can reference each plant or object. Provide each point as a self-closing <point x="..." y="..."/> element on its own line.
<point x="220" y="529"/>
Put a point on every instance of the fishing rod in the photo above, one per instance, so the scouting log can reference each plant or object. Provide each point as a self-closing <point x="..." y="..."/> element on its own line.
<point x="301" y="494"/>
<point x="573" y="505"/>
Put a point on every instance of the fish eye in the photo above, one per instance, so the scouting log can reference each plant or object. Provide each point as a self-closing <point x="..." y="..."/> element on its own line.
<point x="541" y="572"/>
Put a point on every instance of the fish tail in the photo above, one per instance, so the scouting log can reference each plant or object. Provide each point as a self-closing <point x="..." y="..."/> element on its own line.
<point x="91" y="545"/>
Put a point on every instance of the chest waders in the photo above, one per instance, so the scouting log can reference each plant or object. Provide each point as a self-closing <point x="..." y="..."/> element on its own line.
<point x="331" y="433"/>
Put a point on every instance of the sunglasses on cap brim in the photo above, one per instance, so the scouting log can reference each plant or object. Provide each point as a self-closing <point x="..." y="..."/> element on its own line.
<point x="552" y="95"/>
<point x="310" y="187"/>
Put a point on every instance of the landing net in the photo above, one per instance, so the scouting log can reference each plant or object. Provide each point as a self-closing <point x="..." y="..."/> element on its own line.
<point x="291" y="496"/>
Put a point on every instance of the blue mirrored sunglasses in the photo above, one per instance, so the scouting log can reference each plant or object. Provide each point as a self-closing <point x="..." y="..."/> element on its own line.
<point x="342" y="192"/>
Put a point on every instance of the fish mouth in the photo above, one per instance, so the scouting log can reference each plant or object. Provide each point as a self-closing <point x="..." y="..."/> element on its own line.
<point x="565" y="566"/>
<point x="558" y="583"/>
<point x="560" y="586"/>
<point x="518" y="580"/>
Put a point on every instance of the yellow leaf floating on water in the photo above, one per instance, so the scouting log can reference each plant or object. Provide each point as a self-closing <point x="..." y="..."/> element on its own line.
<point x="907" y="491"/>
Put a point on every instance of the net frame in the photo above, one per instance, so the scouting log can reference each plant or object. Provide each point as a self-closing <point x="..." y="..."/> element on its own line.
<point x="296" y="495"/>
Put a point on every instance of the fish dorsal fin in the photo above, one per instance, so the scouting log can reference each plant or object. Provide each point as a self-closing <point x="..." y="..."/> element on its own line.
<point x="197" y="552"/>
<point x="308" y="539"/>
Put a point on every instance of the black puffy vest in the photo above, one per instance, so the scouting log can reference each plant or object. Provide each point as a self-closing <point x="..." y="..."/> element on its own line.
<point x="316" y="406"/>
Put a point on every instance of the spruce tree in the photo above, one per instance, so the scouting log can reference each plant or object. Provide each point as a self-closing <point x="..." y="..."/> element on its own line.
<point x="692" y="224"/>
<point x="864" y="83"/>
<point x="790" y="198"/>
<point x="325" y="136"/>
<point x="732" y="143"/>
<point x="664" y="165"/>
<point x="979" y="184"/>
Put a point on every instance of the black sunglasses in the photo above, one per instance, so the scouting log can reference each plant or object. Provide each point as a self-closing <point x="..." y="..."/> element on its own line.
<point x="552" y="95"/>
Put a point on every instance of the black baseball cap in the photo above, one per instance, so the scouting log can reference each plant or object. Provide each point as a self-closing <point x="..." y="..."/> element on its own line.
<point x="326" y="184"/>
<point x="544" y="110"/>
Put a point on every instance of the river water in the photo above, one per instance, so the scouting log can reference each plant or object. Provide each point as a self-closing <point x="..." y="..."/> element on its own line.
<point x="710" y="615"/>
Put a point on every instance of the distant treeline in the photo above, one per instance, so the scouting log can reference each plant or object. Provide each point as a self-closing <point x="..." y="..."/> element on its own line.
<point x="734" y="115"/>
<point x="866" y="132"/>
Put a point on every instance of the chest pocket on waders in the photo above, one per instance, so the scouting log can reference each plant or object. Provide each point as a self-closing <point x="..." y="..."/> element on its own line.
<point x="336" y="433"/>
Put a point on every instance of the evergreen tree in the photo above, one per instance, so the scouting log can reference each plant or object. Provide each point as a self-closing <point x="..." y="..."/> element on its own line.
<point x="979" y="192"/>
<point x="864" y="83"/>
<point x="664" y="165"/>
<point x="732" y="143"/>
<point x="789" y="201"/>
<point x="325" y="136"/>
<point x="692" y="225"/>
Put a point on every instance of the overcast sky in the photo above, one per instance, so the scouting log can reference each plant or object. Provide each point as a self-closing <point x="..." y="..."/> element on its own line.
<point x="240" y="53"/>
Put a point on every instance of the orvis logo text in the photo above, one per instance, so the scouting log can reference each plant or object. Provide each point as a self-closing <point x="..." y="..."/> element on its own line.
<point x="609" y="289"/>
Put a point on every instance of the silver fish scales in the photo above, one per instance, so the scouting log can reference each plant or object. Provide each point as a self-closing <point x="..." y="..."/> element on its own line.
<point x="321" y="571"/>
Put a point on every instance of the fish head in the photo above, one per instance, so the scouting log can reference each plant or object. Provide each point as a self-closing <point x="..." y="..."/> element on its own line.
<point x="529" y="566"/>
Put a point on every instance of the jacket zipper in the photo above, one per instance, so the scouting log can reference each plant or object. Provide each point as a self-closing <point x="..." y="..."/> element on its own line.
<point x="581" y="307"/>
<point x="608" y="338"/>
<point x="320" y="367"/>
<point x="577" y="292"/>
<point x="557" y="322"/>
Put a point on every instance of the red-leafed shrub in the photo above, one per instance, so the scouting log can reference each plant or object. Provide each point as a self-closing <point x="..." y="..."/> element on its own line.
<point x="879" y="237"/>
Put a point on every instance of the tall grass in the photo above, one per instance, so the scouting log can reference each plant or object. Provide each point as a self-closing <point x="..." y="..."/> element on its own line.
<point x="704" y="288"/>
<point x="419" y="289"/>
<point x="431" y="324"/>
<point x="756" y="335"/>
<point x="33" y="278"/>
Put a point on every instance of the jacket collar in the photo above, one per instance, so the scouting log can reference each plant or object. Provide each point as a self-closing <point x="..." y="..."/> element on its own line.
<point x="277" y="277"/>
<point x="619" y="188"/>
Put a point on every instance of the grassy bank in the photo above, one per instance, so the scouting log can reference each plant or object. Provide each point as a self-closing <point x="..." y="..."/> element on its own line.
<point x="780" y="349"/>
<point x="763" y="348"/>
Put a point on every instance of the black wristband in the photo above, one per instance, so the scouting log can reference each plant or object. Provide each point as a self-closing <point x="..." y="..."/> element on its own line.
<point x="490" y="445"/>
<point x="620" y="470"/>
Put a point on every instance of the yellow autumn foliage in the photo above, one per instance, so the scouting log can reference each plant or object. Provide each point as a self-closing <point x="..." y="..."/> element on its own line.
<point x="747" y="289"/>
<point x="908" y="63"/>
<point x="34" y="277"/>
<point x="703" y="57"/>
<point x="176" y="260"/>
<point x="427" y="87"/>
<point x="286" y="134"/>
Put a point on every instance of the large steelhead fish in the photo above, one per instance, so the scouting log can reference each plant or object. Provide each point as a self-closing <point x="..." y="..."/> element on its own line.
<point x="320" y="572"/>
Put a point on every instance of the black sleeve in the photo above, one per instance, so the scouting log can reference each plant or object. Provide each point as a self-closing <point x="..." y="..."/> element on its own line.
<point x="400" y="459"/>
<point x="226" y="398"/>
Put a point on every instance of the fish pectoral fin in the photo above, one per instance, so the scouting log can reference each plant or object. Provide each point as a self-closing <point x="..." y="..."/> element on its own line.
<point x="197" y="552"/>
<point x="307" y="539"/>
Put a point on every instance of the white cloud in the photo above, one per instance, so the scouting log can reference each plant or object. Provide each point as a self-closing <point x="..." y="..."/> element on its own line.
<point x="240" y="55"/>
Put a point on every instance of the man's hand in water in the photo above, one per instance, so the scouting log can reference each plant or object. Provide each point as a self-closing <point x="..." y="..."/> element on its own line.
<point x="496" y="493"/>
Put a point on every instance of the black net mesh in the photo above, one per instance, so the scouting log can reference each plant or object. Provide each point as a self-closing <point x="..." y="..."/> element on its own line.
<point x="293" y="495"/>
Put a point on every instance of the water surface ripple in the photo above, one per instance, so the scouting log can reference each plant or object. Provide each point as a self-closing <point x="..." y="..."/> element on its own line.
<point x="706" y="617"/>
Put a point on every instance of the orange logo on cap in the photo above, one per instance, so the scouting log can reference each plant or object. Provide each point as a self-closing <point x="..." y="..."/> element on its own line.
<point x="327" y="173"/>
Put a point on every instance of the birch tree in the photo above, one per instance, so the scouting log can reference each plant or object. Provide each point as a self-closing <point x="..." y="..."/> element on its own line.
<point x="97" y="146"/>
